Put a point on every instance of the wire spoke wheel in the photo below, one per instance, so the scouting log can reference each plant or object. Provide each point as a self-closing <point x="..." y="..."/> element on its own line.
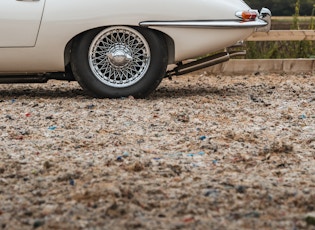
<point x="119" y="57"/>
<point x="119" y="61"/>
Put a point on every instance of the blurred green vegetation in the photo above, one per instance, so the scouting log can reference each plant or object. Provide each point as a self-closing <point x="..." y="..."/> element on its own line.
<point x="280" y="49"/>
<point x="283" y="7"/>
<point x="286" y="49"/>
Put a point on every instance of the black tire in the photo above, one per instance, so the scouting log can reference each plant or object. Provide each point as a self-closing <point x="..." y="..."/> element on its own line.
<point x="112" y="71"/>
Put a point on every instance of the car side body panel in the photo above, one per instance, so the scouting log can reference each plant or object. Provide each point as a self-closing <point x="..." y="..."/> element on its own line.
<point x="20" y="22"/>
<point x="65" y="19"/>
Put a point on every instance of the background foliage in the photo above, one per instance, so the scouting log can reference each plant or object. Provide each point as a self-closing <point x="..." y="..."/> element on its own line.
<point x="283" y="7"/>
<point x="285" y="49"/>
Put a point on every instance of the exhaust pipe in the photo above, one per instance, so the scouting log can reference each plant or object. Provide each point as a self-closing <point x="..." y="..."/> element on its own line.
<point x="215" y="59"/>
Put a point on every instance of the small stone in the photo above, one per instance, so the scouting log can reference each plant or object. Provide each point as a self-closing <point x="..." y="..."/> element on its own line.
<point x="90" y="106"/>
<point x="38" y="223"/>
<point x="120" y="159"/>
<point x="50" y="117"/>
<point x="52" y="128"/>
<point x="303" y="116"/>
<point x="9" y="117"/>
<point x="49" y="209"/>
<point x="71" y="182"/>
<point x="241" y="189"/>
<point x="47" y="165"/>
<point x="138" y="167"/>
<point x="310" y="218"/>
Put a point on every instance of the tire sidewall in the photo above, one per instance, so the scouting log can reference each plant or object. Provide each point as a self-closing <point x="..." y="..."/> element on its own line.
<point x="148" y="83"/>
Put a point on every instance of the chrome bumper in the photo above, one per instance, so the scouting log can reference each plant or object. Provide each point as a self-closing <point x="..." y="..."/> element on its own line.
<point x="262" y="23"/>
<point x="265" y="15"/>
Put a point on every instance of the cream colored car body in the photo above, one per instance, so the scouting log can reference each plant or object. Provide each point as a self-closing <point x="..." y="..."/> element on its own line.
<point x="35" y="33"/>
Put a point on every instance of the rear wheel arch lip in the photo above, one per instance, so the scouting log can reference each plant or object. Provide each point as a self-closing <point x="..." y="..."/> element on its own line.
<point x="170" y="44"/>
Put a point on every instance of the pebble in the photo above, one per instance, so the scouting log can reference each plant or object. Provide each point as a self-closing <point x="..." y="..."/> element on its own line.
<point x="310" y="218"/>
<point x="38" y="223"/>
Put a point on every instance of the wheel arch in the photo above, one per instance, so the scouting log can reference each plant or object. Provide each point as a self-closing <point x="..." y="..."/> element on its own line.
<point x="170" y="46"/>
<point x="168" y="40"/>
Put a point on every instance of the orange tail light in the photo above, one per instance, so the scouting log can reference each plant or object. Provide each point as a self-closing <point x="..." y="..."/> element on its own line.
<point x="247" y="15"/>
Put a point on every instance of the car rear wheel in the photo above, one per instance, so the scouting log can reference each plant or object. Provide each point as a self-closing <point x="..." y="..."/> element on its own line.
<point x="119" y="61"/>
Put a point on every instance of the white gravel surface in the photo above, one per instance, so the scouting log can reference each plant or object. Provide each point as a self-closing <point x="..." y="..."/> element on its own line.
<point x="202" y="152"/>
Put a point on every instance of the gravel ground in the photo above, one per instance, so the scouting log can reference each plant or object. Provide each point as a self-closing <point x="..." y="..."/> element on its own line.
<point x="202" y="152"/>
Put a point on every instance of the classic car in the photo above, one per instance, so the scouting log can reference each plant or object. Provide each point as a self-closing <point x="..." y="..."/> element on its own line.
<point x="119" y="48"/>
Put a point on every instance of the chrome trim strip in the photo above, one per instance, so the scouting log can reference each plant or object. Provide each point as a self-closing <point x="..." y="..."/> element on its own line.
<point x="206" y="24"/>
